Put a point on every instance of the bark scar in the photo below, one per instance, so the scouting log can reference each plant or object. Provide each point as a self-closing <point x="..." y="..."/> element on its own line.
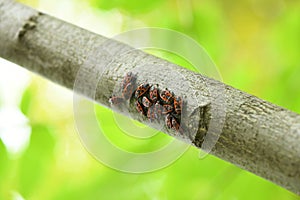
<point x="29" y="24"/>
<point x="204" y="112"/>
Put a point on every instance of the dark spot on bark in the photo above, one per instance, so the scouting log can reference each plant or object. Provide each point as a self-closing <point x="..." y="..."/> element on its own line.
<point x="204" y="113"/>
<point x="30" y="24"/>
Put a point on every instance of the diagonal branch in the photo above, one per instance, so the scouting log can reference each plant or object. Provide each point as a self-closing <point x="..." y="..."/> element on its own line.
<point x="254" y="134"/>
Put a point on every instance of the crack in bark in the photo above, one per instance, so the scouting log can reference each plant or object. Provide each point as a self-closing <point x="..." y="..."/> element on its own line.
<point x="205" y="116"/>
<point x="30" y="24"/>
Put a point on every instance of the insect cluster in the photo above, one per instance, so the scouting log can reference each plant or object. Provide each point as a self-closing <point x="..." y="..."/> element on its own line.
<point x="151" y="102"/>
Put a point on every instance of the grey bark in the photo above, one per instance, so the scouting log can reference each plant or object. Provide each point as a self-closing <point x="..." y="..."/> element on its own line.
<point x="254" y="134"/>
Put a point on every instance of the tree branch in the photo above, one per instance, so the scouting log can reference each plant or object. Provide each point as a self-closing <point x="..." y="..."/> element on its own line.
<point x="255" y="135"/>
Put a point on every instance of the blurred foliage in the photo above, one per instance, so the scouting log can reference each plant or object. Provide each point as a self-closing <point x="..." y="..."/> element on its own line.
<point x="256" y="46"/>
<point x="132" y="6"/>
<point x="4" y="164"/>
<point x="27" y="101"/>
<point x="36" y="160"/>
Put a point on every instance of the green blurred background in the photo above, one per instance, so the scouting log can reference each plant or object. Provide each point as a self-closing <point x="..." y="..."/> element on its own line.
<point x="254" y="43"/>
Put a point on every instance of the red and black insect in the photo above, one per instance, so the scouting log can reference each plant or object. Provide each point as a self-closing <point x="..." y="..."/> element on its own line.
<point x="142" y="89"/>
<point x="168" y="121"/>
<point x="128" y="91"/>
<point x="158" y="109"/>
<point x="151" y="114"/>
<point x="128" y="78"/>
<point x="151" y="102"/>
<point x="175" y="124"/>
<point x="155" y="112"/>
<point x="178" y="105"/>
<point x="153" y="93"/>
<point x="114" y="100"/>
<point x="167" y="96"/>
<point x="146" y="102"/>
<point x="139" y="108"/>
<point x="167" y="108"/>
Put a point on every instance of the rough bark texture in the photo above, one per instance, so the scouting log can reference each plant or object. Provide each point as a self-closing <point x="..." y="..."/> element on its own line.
<point x="254" y="134"/>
